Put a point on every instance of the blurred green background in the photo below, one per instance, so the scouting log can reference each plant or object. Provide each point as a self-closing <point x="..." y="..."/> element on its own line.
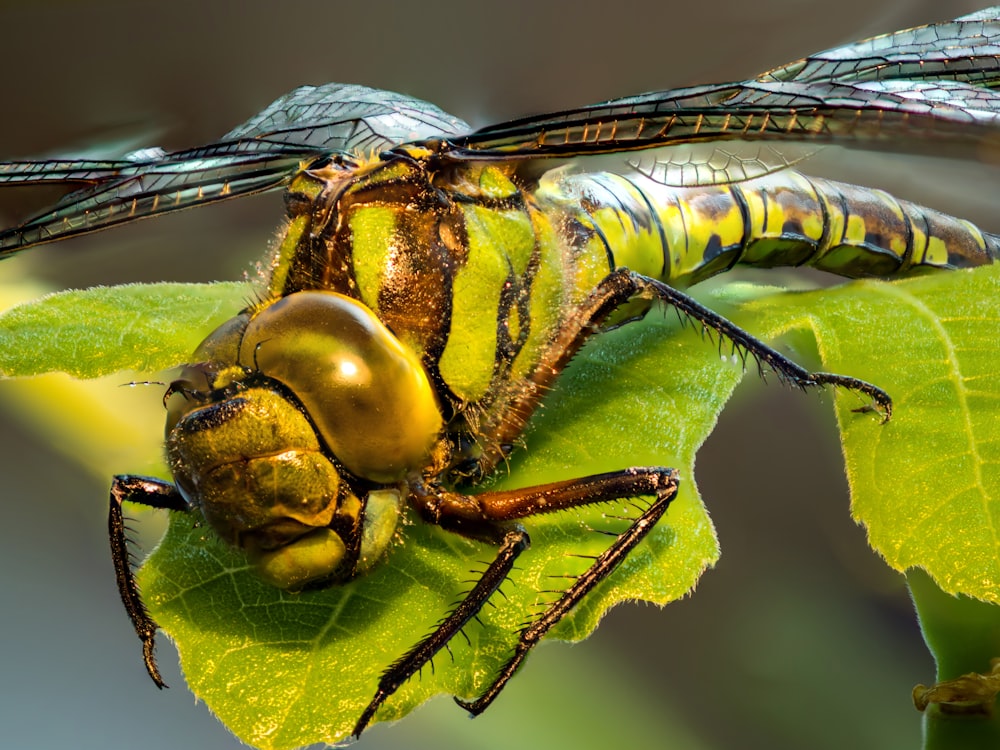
<point x="799" y="638"/>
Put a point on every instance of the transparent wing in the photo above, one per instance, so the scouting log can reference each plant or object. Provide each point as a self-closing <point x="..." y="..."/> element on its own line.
<point x="898" y="91"/>
<point x="895" y="91"/>
<point x="347" y="118"/>
<point x="707" y="164"/>
<point x="261" y="154"/>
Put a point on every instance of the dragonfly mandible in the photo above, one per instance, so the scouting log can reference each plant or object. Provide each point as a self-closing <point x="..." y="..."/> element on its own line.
<point x="464" y="270"/>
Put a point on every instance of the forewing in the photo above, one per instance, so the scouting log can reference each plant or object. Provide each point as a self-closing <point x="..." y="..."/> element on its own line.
<point x="261" y="154"/>
<point x="896" y="91"/>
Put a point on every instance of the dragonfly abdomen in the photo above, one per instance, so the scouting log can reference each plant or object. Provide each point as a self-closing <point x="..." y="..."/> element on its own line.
<point x="686" y="235"/>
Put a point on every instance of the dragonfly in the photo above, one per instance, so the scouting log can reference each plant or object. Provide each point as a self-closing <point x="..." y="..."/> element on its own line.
<point x="432" y="282"/>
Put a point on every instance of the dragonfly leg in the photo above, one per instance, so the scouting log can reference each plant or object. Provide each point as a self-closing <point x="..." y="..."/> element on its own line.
<point x="512" y="544"/>
<point x="510" y="417"/>
<point x="483" y="516"/>
<point x="627" y="483"/>
<point x="154" y="493"/>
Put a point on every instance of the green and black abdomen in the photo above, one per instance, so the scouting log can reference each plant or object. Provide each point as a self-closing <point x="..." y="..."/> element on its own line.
<point x="782" y="219"/>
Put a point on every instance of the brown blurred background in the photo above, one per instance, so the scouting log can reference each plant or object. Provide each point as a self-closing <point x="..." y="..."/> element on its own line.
<point x="800" y="638"/>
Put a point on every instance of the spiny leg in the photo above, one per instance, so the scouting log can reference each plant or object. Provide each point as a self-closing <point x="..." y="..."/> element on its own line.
<point x="154" y="493"/>
<point x="603" y="566"/>
<point x="508" y="418"/>
<point x="514" y="542"/>
<point x="785" y="368"/>
<point x="480" y="515"/>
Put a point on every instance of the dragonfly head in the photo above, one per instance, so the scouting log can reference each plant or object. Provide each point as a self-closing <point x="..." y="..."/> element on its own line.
<point x="294" y="432"/>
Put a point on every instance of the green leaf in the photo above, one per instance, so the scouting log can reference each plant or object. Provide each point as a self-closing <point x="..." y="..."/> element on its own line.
<point x="104" y="330"/>
<point x="283" y="670"/>
<point x="927" y="485"/>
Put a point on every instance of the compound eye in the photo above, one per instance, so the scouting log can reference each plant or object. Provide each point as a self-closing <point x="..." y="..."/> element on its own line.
<point x="367" y="394"/>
